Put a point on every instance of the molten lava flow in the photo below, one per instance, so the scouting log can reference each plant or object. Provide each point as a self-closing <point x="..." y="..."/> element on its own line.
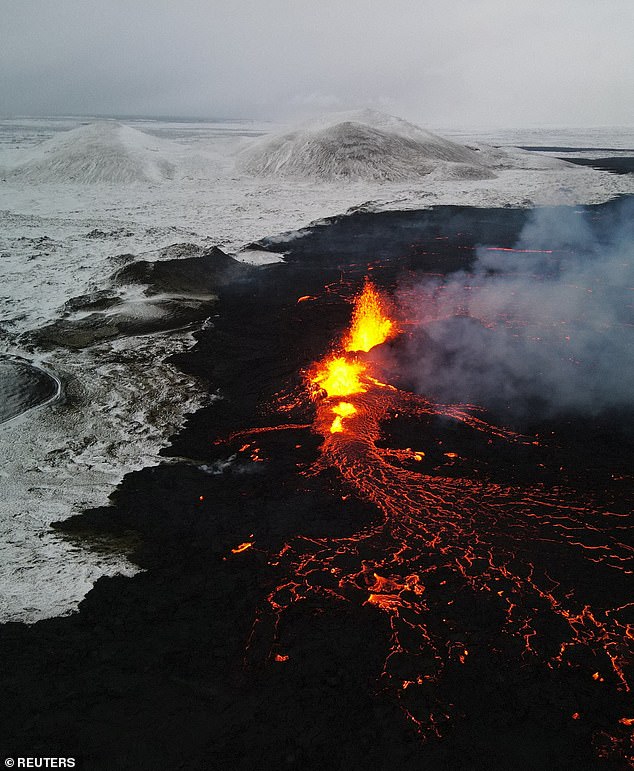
<point x="242" y="547"/>
<point x="441" y="538"/>
<point x="338" y="376"/>
<point x="341" y="411"/>
<point x="371" y="325"/>
<point x="344" y="375"/>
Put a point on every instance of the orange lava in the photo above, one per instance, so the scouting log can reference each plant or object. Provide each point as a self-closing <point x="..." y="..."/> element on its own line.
<point x="472" y="533"/>
<point x="342" y="374"/>
<point x="341" y="411"/>
<point x="371" y="324"/>
<point x="338" y="376"/>
<point x="242" y="547"/>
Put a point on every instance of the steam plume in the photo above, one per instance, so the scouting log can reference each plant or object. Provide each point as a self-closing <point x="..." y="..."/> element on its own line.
<point x="545" y="328"/>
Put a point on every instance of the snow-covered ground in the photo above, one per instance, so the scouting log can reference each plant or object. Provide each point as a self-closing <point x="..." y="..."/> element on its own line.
<point x="71" y="202"/>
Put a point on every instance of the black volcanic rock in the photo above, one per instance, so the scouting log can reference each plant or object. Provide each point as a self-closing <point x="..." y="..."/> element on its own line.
<point x="202" y="272"/>
<point x="180" y="290"/>
<point x="616" y="165"/>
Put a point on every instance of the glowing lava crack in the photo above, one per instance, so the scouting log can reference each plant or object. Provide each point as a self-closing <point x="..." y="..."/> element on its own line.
<point x="443" y="533"/>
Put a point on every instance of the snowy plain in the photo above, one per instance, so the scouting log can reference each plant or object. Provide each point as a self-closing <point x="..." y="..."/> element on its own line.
<point x="64" y="221"/>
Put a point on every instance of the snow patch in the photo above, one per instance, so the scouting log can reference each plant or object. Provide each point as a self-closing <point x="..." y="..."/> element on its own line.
<point x="258" y="257"/>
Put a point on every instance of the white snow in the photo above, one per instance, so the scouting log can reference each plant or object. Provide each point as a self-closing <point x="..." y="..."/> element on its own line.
<point x="59" y="239"/>
<point x="363" y="145"/>
<point x="258" y="257"/>
<point x="106" y="151"/>
<point x="121" y="403"/>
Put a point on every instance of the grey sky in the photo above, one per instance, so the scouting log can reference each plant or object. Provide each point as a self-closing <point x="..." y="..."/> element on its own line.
<point x="497" y="62"/>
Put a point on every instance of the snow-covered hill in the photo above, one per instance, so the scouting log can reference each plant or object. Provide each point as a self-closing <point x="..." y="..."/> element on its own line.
<point x="361" y="145"/>
<point x="105" y="151"/>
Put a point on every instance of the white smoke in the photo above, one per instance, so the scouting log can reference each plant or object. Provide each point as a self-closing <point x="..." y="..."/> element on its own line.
<point x="536" y="332"/>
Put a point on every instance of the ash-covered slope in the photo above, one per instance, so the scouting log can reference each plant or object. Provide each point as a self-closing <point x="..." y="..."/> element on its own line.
<point x="105" y="151"/>
<point x="360" y="145"/>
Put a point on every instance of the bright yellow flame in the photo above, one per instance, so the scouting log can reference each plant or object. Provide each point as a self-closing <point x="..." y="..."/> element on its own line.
<point x="339" y="377"/>
<point x="341" y="410"/>
<point x="370" y="323"/>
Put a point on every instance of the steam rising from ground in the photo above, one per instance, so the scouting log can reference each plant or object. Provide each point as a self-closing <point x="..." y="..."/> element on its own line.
<point x="535" y="332"/>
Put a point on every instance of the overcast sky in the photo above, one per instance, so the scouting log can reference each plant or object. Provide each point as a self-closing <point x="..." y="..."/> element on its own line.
<point x="438" y="62"/>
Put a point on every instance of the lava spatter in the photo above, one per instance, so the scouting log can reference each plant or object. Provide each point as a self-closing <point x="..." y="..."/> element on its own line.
<point x="371" y="324"/>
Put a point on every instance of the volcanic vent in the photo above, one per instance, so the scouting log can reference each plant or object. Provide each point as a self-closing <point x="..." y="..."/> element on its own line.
<point x="443" y="540"/>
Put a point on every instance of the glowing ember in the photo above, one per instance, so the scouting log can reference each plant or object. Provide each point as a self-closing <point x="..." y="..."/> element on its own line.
<point x="371" y="325"/>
